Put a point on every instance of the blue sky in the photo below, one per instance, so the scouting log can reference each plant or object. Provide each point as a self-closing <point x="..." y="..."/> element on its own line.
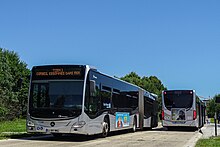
<point x="177" y="41"/>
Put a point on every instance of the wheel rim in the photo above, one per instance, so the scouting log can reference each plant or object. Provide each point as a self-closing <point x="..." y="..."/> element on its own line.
<point x="134" y="126"/>
<point x="105" y="129"/>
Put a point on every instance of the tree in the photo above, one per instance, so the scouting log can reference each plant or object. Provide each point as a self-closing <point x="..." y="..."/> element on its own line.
<point x="13" y="98"/>
<point x="213" y="107"/>
<point x="133" y="78"/>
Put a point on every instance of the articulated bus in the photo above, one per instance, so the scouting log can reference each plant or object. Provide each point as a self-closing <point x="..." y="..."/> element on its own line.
<point x="182" y="108"/>
<point x="79" y="99"/>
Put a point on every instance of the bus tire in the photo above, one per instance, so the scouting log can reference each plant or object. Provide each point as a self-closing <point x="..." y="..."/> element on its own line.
<point x="134" y="127"/>
<point x="105" y="127"/>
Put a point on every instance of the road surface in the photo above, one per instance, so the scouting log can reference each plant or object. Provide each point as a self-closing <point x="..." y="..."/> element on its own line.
<point x="151" y="138"/>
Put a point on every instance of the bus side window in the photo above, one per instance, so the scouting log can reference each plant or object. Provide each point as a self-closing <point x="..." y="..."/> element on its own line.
<point x="133" y="103"/>
<point x="120" y="100"/>
<point x="116" y="100"/>
<point x="105" y="96"/>
<point x="148" y="107"/>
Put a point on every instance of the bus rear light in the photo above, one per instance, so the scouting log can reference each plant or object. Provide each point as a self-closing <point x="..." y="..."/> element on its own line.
<point x="194" y="114"/>
<point x="162" y="115"/>
<point x="165" y="92"/>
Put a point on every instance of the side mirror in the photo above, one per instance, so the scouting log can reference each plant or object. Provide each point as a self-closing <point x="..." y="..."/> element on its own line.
<point x="92" y="86"/>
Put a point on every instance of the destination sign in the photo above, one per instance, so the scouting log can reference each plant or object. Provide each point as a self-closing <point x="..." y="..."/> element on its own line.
<point x="59" y="72"/>
<point x="63" y="72"/>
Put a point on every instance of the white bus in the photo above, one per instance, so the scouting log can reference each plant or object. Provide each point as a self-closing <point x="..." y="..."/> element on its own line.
<point x="78" y="99"/>
<point x="182" y="108"/>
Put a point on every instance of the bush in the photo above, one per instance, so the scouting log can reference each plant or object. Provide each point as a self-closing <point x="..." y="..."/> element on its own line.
<point x="13" y="97"/>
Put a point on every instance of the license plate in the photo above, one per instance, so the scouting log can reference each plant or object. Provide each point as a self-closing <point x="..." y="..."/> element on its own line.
<point x="52" y="130"/>
<point x="179" y="122"/>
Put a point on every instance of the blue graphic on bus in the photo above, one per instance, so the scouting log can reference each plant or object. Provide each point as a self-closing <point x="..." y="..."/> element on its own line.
<point x="122" y="119"/>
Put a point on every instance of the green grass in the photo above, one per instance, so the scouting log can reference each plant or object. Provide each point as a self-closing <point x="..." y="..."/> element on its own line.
<point x="211" y="142"/>
<point x="18" y="125"/>
<point x="212" y="120"/>
<point x="13" y="129"/>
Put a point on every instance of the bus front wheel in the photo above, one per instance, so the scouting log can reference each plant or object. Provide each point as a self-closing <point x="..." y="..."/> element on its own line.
<point x="105" y="128"/>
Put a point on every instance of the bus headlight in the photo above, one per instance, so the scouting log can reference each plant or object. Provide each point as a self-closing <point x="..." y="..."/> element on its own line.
<point x="30" y="124"/>
<point x="79" y="124"/>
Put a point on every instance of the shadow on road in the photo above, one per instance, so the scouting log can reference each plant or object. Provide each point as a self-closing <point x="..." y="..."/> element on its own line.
<point x="180" y="129"/>
<point x="81" y="138"/>
<point x="85" y="138"/>
<point x="69" y="138"/>
<point x="73" y="137"/>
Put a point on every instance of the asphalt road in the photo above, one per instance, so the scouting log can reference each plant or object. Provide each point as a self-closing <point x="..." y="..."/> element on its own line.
<point x="151" y="138"/>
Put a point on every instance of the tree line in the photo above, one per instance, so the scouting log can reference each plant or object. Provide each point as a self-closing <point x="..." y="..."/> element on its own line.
<point x="14" y="85"/>
<point x="213" y="107"/>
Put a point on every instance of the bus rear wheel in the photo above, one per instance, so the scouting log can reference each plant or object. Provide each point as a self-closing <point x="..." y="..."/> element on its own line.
<point x="134" y="128"/>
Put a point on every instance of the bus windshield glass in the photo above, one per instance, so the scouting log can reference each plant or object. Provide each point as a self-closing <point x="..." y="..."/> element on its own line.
<point x="178" y="99"/>
<point x="62" y="97"/>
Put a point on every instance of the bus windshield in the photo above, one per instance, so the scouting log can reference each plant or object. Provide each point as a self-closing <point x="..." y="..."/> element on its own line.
<point x="56" y="99"/>
<point x="178" y="99"/>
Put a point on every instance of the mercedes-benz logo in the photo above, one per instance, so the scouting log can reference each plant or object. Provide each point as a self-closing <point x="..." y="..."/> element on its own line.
<point x="52" y="124"/>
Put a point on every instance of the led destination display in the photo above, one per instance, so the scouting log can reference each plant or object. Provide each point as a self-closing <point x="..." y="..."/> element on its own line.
<point x="57" y="72"/>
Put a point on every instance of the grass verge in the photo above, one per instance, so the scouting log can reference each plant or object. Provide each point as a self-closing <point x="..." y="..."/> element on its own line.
<point x="13" y="129"/>
<point x="18" y="125"/>
<point x="211" y="142"/>
<point x="212" y="120"/>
